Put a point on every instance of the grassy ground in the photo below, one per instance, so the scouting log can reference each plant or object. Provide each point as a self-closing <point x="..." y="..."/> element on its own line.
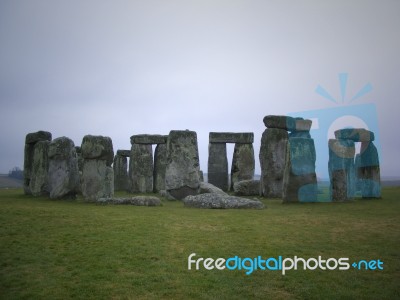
<point x="70" y="249"/>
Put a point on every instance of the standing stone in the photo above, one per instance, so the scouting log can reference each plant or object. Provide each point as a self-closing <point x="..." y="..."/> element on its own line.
<point x="182" y="176"/>
<point x="63" y="172"/>
<point x="141" y="168"/>
<point x="160" y="166"/>
<point x="369" y="171"/>
<point x="341" y="162"/>
<point x="121" y="178"/>
<point x="218" y="165"/>
<point x="300" y="179"/>
<point x="97" y="174"/>
<point x="274" y="143"/>
<point x="30" y="140"/>
<point x="243" y="163"/>
<point x="40" y="167"/>
<point x="357" y="165"/>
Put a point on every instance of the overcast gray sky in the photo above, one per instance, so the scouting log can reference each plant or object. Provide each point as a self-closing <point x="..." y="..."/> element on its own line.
<point x="119" y="68"/>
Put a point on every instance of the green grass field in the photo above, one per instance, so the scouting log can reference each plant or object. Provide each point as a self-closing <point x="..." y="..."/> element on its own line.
<point x="70" y="249"/>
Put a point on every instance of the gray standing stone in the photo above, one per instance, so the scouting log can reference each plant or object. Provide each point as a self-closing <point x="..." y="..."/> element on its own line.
<point x="243" y="163"/>
<point x="218" y="165"/>
<point x="141" y="168"/>
<point x="97" y="174"/>
<point x="40" y="167"/>
<point x="300" y="179"/>
<point x="182" y="172"/>
<point x="247" y="188"/>
<point x="160" y="166"/>
<point x="30" y="140"/>
<point x="357" y="165"/>
<point x="121" y="178"/>
<point x="63" y="172"/>
<point x="369" y="171"/>
<point x="274" y="143"/>
<point x="341" y="163"/>
<point x="80" y="158"/>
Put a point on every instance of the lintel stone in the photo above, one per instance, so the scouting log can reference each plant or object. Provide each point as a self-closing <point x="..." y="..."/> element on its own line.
<point x="149" y="139"/>
<point x="124" y="153"/>
<point x="232" y="137"/>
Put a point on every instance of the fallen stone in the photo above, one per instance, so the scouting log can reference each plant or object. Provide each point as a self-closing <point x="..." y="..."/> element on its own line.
<point x="182" y="175"/>
<point x="210" y="188"/>
<point x="247" y="188"/>
<point x="280" y="122"/>
<point x="149" y="139"/>
<point x="34" y="137"/>
<point x="98" y="147"/>
<point x="137" y="201"/>
<point x="355" y="134"/>
<point x="231" y="137"/>
<point x="212" y="200"/>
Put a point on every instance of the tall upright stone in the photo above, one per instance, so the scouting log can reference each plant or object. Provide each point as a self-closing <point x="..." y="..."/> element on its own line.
<point x="141" y="168"/>
<point x="97" y="173"/>
<point x="63" y="175"/>
<point x="274" y="143"/>
<point x="120" y="166"/>
<point x="160" y="166"/>
<point x="300" y="179"/>
<point x="369" y="171"/>
<point x="30" y="140"/>
<point x="40" y="168"/>
<point x="182" y="176"/>
<point x="340" y="166"/>
<point x="243" y="163"/>
<point x="218" y="165"/>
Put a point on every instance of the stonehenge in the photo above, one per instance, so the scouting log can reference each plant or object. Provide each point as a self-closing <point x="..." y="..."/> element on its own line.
<point x="59" y="169"/>
<point x="243" y="163"/>
<point x="349" y="172"/>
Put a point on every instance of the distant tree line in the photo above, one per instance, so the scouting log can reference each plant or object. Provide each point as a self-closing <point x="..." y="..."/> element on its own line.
<point x="16" y="173"/>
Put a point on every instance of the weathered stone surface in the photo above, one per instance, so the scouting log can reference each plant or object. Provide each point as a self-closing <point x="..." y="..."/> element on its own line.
<point x="218" y="165"/>
<point x="141" y="168"/>
<point x="341" y="157"/>
<point x="247" y="188"/>
<point x="98" y="147"/>
<point x="63" y="175"/>
<point x="243" y="163"/>
<point x="302" y="125"/>
<point x="212" y="200"/>
<point x="369" y="171"/>
<point x="355" y="134"/>
<point x="124" y="153"/>
<point x="97" y="180"/>
<point x="274" y="143"/>
<point x="300" y="134"/>
<point x="149" y="139"/>
<point x="357" y="165"/>
<point x="182" y="172"/>
<point x="34" y="137"/>
<point x="121" y="178"/>
<point x="300" y="179"/>
<point x="280" y="122"/>
<point x="40" y="167"/>
<point x="160" y="166"/>
<point x="231" y="137"/>
<point x="201" y="175"/>
<point x="210" y="188"/>
<point x="137" y="201"/>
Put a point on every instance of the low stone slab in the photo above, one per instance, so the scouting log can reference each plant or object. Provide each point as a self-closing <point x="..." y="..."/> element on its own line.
<point x="124" y="153"/>
<point x="206" y="187"/>
<point x="355" y="134"/>
<point x="137" y="201"/>
<point x="231" y="137"/>
<point x="247" y="188"/>
<point x="281" y="122"/>
<point x="149" y="139"/>
<point x="211" y="200"/>
<point x="34" y="137"/>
